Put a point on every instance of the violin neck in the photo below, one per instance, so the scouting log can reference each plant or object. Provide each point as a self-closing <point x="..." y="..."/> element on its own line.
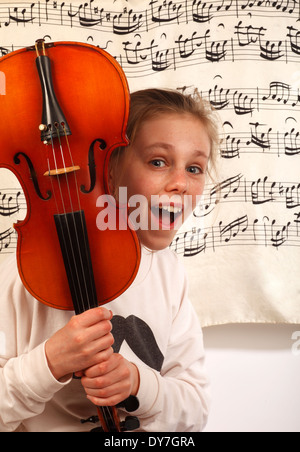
<point x="109" y="420"/>
<point x="74" y="244"/>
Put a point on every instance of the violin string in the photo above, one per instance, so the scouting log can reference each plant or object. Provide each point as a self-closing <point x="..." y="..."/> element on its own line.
<point x="65" y="214"/>
<point x="106" y="411"/>
<point x="86" y="246"/>
<point x="52" y="185"/>
<point x="57" y="210"/>
<point x="80" y="268"/>
<point x="107" y="415"/>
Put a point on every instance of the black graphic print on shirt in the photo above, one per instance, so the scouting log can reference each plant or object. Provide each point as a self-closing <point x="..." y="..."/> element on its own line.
<point x="140" y="339"/>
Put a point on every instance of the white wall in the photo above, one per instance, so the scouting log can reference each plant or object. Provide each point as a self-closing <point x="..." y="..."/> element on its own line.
<point x="255" y="377"/>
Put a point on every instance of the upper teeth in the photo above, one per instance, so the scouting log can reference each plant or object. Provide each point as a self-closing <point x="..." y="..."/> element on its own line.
<point x="172" y="209"/>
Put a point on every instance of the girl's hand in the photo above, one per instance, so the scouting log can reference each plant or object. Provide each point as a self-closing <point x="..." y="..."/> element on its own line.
<point x="86" y="340"/>
<point x="110" y="382"/>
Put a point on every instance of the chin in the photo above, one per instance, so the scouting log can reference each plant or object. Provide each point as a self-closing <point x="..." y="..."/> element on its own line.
<point x="157" y="240"/>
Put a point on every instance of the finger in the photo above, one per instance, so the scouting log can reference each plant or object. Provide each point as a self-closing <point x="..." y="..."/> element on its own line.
<point x="104" y="367"/>
<point x="116" y="381"/>
<point x="95" y="353"/>
<point x="79" y="374"/>
<point x="86" y="336"/>
<point x="99" y="358"/>
<point x="98" y="331"/>
<point x="93" y="316"/>
<point x="109" y="394"/>
<point x="121" y="387"/>
<point x="109" y="401"/>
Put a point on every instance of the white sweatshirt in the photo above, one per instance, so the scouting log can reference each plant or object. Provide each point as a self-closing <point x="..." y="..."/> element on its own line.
<point x="154" y="326"/>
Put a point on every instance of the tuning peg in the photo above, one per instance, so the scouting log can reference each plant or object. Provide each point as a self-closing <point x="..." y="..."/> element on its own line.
<point x="92" y="419"/>
<point x="130" y="423"/>
<point x="130" y="404"/>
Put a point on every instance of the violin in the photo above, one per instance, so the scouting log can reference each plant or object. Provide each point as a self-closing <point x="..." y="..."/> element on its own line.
<point x="64" y="112"/>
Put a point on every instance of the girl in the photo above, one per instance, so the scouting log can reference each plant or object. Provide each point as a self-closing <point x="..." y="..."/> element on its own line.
<point x="147" y="343"/>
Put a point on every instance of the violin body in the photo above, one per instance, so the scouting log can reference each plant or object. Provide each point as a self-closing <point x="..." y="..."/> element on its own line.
<point x="63" y="179"/>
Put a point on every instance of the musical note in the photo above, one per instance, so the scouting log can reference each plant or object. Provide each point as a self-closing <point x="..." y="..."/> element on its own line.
<point x="292" y="142"/>
<point x="91" y="19"/>
<point x="242" y="104"/>
<point x="227" y="7"/>
<point x="20" y="16"/>
<point x="248" y="35"/>
<point x="232" y="229"/>
<point x="215" y="51"/>
<point x="5" y="239"/>
<point x="201" y="12"/>
<point x="271" y="51"/>
<point x="194" y="243"/>
<point x="262" y="140"/>
<point x="242" y="231"/>
<point x="297" y="222"/>
<point x="279" y="91"/>
<point x="247" y="44"/>
<point x="6" y="208"/>
<point x="294" y="35"/>
<point x="293" y="196"/>
<point x="5" y="51"/>
<point x="259" y="193"/>
<point x="160" y="60"/>
<point x="239" y="189"/>
<point x="266" y="141"/>
<point x="254" y="99"/>
<point x="188" y="46"/>
<point x="217" y="194"/>
<point x="230" y="147"/>
<point x="279" y="234"/>
<point x="168" y="12"/>
<point x="92" y="14"/>
<point x="127" y="22"/>
<point x="219" y="98"/>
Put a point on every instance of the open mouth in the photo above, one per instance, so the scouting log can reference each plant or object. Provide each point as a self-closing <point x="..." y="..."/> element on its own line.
<point x="166" y="215"/>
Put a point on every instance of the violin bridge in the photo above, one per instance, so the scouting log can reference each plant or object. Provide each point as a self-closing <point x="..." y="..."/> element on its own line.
<point x="61" y="171"/>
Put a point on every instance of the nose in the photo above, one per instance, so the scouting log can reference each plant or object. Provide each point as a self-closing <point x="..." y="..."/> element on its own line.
<point x="177" y="182"/>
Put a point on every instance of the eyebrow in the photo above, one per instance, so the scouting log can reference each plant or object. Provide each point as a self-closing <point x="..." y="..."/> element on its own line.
<point x="201" y="154"/>
<point x="167" y="146"/>
<point x="163" y="145"/>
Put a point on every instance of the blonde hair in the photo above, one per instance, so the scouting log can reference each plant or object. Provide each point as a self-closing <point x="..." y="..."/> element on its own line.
<point x="149" y="103"/>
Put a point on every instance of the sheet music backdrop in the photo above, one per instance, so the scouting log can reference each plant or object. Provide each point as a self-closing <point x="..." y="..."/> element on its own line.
<point x="241" y="248"/>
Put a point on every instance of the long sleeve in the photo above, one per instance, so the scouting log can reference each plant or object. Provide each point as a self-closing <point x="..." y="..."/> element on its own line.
<point x="179" y="397"/>
<point x="176" y="396"/>
<point x="26" y="386"/>
<point x="26" y="383"/>
<point x="154" y="326"/>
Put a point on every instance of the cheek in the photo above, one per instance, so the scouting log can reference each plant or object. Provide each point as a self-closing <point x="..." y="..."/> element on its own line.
<point x="197" y="191"/>
<point x="135" y="186"/>
<point x="139" y="183"/>
<point x="137" y="192"/>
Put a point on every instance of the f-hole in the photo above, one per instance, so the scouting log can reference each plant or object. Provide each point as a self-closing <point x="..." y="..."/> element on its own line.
<point x="33" y="175"/>
<point x="92" y="165"/>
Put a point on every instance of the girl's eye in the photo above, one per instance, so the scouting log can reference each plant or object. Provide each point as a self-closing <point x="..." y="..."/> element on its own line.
<point x="195" y="170"/>
<point x="157" y="163"/>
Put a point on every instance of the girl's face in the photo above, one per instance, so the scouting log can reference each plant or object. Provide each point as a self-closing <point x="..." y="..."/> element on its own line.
<point x="166" y="164"/>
